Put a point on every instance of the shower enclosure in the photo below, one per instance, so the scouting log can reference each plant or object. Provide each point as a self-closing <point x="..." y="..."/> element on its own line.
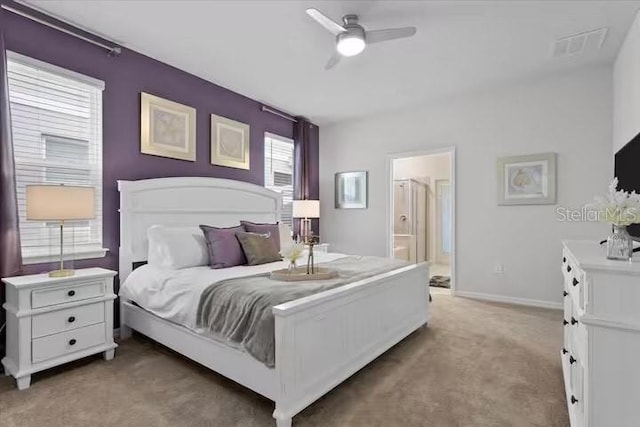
<point x="410" y="220"/>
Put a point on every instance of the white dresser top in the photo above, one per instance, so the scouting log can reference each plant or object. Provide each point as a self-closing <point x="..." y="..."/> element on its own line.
<point x="589" y="255"/>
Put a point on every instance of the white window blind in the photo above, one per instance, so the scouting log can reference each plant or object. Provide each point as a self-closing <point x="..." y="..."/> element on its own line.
<point x="56" y="119"/>
<point x="278" y="172"/>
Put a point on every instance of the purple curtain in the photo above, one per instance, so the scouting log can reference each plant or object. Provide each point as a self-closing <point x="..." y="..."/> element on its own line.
<point x="10" y="253"/>
<point x="305" y="171"/>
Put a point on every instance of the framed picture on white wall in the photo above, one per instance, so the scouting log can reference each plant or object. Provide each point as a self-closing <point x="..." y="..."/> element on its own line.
<point x="527" y="180"/>
<point x="351" y="190"/>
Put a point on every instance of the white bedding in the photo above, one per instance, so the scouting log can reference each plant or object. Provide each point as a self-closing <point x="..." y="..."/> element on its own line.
<point x="174" y="294"/>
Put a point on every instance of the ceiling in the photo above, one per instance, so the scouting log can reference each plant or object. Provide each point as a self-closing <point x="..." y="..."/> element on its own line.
<point x="273" y="52"/>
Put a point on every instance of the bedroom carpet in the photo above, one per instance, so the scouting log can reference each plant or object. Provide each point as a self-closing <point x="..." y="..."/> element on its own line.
<point x="477" y="364"/>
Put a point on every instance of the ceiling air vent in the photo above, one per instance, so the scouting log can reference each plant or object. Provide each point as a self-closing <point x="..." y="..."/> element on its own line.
<point x="579" y="44"/>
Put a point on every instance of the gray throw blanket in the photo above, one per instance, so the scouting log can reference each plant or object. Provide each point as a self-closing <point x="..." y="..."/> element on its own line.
<point x="240" y="310"/>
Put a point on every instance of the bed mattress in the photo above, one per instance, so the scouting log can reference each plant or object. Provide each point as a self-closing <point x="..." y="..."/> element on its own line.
<point x="174" y="295"/>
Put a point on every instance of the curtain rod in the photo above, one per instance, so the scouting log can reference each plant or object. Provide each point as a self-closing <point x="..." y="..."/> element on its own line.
<point x="278" y="113"/>
<point x="57" y="24"/>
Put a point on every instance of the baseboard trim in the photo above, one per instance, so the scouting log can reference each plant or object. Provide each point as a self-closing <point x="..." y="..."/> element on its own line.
<point x="510" y="300"/>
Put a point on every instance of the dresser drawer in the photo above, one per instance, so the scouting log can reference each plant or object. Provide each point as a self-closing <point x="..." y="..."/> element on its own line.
<point x="58" y="345"/>
<point x="68" y="293"/>
<point x="577" y="389"/>
<point x="579" y="341"/>
<point x="67" y="319"/>
<point x="577" y="289"/>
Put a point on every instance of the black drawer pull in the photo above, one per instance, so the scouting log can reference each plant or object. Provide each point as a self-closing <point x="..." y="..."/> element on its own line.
<point x="71" y="319"/>
<point x="573" y="320"/>
<point x="564" y="259"/>
<point x="565" y="293"/>
<point x="572" y="360"/>
<point x="568" y="269"/>
<point x="564" y="322"/>
<point x="71" y="293"/>
<point x="564" y="351"/>
<point x="72" y="341"/>
<point x="573" y="400"/>
<point x="575" y="282"/>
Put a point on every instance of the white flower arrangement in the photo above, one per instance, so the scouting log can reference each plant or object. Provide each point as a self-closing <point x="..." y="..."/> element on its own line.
<point x="292" y="252"/>
<point x="618" y="207"/>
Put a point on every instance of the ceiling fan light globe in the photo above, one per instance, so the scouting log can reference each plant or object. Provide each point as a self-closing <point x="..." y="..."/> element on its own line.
<point x="349" y="45"/>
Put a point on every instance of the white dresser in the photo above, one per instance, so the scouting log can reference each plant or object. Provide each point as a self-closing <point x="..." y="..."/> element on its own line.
<point x="601" y="353"/>
<point x="51" y="321"/>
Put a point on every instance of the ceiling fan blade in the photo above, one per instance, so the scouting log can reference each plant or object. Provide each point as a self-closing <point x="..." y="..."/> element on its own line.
<point x="333" y="61"/>
<point x="325" y="21"/>
<point x="377" y="36"/>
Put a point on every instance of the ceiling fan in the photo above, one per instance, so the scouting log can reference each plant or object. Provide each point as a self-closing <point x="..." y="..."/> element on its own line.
<point x="352" y="38"/>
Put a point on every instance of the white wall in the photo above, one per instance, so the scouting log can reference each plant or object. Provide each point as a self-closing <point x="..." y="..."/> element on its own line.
<point x="626" y="89"/>
<point x="568" y="114"/>
<point x="427" y="169"/>
<point x="435" y="166"/>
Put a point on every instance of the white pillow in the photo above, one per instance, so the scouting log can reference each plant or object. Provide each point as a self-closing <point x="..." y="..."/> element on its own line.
<point x="286" y="236"/>
<point x="176" y="247"/>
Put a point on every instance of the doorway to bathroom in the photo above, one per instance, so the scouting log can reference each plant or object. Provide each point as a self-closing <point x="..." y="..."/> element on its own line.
<point x="422" y="213"/>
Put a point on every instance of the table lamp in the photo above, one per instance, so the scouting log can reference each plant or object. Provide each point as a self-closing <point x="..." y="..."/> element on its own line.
<point x="60" y="203"/>
<point x="306" y="209"/>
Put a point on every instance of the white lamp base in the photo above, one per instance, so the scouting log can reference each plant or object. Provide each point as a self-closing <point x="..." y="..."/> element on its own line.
<point x="62" y="273"/>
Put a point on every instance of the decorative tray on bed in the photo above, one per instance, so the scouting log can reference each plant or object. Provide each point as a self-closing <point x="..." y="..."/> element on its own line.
<point x="299" y="274"/>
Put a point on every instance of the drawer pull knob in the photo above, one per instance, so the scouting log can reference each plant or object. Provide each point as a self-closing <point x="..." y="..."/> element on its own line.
<point x="564" y="259"/>
<point x="565" y="293"/>
<point x="564" y="351"/>
<point x="71" y="319"/>
<point x="572" y="360"/>
<point x="573" y="400"/>
<point x="568" y="269"/>
<point x="72" y="341"/>
<point x="564" y="322"/>
<point x="573" y="320"/>
<point x="575" y="282"/>
<point x="71" y="293"/>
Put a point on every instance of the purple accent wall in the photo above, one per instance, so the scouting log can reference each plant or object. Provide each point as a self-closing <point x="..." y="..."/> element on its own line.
<point x="125" y="77"/>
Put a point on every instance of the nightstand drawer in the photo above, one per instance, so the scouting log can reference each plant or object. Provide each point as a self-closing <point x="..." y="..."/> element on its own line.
<point x="67" y="319"/>
<point x="53" y="296"/>
<point x="67" y="342"/>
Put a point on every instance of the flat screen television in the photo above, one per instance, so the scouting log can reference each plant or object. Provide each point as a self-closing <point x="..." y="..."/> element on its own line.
<point x="627" y="169"/>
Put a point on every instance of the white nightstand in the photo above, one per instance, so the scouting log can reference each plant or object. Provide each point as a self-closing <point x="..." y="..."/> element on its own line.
<point x="320" y="247"/>
<point x="54" y="320"/>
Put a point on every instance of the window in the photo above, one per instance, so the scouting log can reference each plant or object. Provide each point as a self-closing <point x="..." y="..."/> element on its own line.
<point x="278" y="172"/>
<point x="56" y="118"/>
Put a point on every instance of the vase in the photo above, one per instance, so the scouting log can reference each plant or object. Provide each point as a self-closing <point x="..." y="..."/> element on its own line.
<point x="619" y="244"/>
<point x="292" y="266"/>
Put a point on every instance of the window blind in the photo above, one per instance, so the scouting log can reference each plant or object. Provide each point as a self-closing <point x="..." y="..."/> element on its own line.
<point x="278" y="172"/>
<point x="56" y="119"/>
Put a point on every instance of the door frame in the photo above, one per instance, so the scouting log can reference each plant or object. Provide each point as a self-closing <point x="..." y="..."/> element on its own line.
<point x="451" y="150"/>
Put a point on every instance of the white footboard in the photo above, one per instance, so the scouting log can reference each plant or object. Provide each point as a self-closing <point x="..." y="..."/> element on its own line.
<point x="323" y="339"/>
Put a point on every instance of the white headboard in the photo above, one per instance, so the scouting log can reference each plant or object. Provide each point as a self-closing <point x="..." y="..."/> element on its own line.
<point x="186" y="201"/>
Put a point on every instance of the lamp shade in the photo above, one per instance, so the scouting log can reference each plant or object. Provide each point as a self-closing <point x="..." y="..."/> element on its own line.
<point x="60" y="202"/>
<point x="306" y="209"/>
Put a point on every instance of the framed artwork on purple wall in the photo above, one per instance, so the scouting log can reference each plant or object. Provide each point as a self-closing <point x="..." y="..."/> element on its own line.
<point x="230" y="142"/>
<point x="167" y="129"/>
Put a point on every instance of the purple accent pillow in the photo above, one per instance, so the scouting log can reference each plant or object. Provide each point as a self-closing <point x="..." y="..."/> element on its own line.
<point x="223" y="246"/>
<point x="272" y="231"/>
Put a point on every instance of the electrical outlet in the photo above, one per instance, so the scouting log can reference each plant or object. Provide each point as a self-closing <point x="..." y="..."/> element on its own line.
<point x="498" y="268"/>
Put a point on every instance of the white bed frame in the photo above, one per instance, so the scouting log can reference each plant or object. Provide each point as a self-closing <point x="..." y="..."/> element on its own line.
<point x="321" y="339"/>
